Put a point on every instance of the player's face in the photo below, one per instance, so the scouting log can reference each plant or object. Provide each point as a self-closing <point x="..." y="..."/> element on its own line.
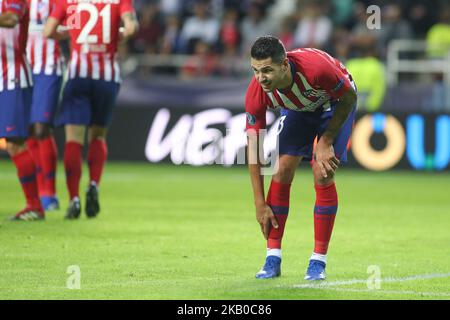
<point x="268" y="74"/>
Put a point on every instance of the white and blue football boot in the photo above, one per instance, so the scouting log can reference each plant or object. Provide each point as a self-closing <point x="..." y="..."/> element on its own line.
<point x="271" y="269"/>
<point x="316" y="270"/>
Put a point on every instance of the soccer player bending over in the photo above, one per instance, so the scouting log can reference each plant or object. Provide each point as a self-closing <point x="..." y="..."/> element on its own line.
<point x="90" y="93"/>
<point x="318" y="99"/>
<point x="15" y="101"/>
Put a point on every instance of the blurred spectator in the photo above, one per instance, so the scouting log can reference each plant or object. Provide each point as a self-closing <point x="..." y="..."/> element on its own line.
<point x="342" y="11"/>
<point x="150" y="30"/>
<point x="369" y="75"/>
<point x="438" y="37"/>
<point x="393" y="26"/>
<point x="254" y="25"/>
<point x="341" y="44"/>
<point x="438" y="41"/>
<point x="314" y="28"/>
<point x="422" y="15"/>
<point x="201" y="26"/>
<point x="171" y="7"/>
<point x="202" y="63"/>
<point x="286" y="33"/>
<point x="281" y="9"/>
<point x="170" y="42"/>
<point x="229" y="36"/>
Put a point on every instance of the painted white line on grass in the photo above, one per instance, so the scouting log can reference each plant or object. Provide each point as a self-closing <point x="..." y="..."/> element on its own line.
<point x="430" y="294"/>
<point x="355" y="281"/>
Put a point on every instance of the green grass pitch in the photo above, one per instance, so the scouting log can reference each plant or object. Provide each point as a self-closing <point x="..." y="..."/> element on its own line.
<point x="168" y="232"/>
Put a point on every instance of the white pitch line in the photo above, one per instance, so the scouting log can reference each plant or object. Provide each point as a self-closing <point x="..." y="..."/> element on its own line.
<point x="355" y="281"/>
<point x="431" y="294"/>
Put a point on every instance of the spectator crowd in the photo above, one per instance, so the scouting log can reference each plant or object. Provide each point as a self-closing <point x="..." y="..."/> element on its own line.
<point x="215" y="36"/>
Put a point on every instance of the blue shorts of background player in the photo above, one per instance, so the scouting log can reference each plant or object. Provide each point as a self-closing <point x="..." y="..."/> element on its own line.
<point x="45" y="98"/>
<point x="88" y="102"/>
<point x="297" y="131"/>
<point x="15" y="106"/>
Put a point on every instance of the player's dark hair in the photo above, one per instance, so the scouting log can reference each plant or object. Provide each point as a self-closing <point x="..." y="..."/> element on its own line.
<point x="268" y="47"/>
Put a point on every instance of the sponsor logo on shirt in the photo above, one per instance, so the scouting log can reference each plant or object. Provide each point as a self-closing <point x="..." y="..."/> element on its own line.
<point x="339" y="85"/>
<point x="251" y="119"/>
<point x="16" y="6"/>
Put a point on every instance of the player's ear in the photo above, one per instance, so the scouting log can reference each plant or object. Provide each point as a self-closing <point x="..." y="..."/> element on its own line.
<point x="285" y="64"/>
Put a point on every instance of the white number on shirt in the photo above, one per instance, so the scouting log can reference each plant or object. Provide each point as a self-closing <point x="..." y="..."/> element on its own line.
<point x="85" y="37"/>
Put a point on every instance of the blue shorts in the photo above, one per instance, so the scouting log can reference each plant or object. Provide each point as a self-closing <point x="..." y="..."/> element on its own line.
<point x="297" y="131"/>
<point x="88" y="102"/>
<point x="15" y="107"/>
<point x="45" y="98"/>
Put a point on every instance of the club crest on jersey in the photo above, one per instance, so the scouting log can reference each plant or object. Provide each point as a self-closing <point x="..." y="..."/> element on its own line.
<point x="251" y="119"/>
<point x="309" y="93"/>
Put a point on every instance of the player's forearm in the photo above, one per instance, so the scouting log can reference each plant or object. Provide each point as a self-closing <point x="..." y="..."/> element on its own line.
<point x="254" y="168"/>
<point x="257" y="184"/>
<point x="130" y="26"/>
<point x="8" y="20"/>
<point x="62" y="33"/>
<point x="50" y="28"/>
<point x="341" y="113"/>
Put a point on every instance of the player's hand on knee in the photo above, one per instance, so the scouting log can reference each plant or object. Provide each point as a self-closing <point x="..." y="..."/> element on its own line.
<point x="266" y="220"/>
<point x="326" y="159"/>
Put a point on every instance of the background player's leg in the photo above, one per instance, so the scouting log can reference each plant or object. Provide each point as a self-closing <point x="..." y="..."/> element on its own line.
<point x="42" y="134"/>
<point x="26" y="171"/>
<point x="97" y="152"/>
<point x="49" y="156"/>
<point x="102" y="106"/>
<point x="33" y="148"/>
<point x="46" y="91"/>
<point x="72" y="164"/>
<point x="97" y="155"/>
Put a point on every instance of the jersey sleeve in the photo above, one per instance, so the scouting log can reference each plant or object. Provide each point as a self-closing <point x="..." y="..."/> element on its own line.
<point x="58" y="10"/>
<point x="255" y="108"/>
<point x="333" y="80"/>
<point x="126" y="6"/>
<point x="18" y="7"/>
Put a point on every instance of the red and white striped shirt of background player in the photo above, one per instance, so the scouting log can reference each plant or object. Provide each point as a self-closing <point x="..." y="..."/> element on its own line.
<point x="43" y="54"/>
<point x="94" y="36"/>
<point x="15" y="71"/>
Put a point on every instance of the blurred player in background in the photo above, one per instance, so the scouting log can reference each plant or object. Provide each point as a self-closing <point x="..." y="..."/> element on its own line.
<point x="15" y="100"/>
<point x="46" y="63"/>
<point x="318" y="99"/>
<point x="93" y="84"/>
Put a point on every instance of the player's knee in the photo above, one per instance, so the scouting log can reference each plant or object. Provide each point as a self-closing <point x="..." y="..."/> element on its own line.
<point x="14" y="146"/>
<point x="97" y="133"/>
<point x="285" y="173"/>
<point x="319" y="178"/>
<point x="75" y="133"/>
<point x="41" y="131"/>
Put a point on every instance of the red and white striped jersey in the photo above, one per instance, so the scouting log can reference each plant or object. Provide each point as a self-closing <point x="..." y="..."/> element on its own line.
<point x="43" y="54"/>
<point x="94" y="35"/>
<point x="318" y="80"/>
<point x="14" y="68"/>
